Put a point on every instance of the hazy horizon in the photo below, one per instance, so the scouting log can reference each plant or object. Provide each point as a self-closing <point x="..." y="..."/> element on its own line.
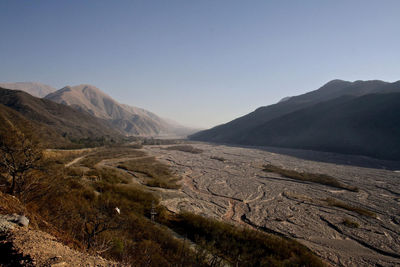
<point x="199" y="63"/>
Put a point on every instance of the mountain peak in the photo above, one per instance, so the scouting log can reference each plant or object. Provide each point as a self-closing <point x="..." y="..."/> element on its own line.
<point x="129" y="120"/>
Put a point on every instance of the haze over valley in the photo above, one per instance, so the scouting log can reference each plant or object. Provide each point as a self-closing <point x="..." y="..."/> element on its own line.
<point x="199" y="133"/>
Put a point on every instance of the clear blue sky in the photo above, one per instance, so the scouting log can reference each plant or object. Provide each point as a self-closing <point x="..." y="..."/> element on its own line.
<point x="199" y="62"/>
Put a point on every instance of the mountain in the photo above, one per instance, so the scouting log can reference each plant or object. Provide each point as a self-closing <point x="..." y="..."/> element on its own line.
<point x="128" y="120"/>
<point x="58" y="125"/>
<point x="367" y="125"/>
<point x="10" y="118"/>
<point x="325" y="119"/>
<point x="33" y="88"/>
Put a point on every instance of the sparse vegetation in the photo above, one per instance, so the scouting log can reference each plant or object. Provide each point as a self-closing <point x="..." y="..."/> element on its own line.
<point x="81" y="210"/>
<point x="343" y="205"/>
<point x="155" y="141"/>
<point x="155" y="173"/>
<point x="20" y="159"/>
<point x="186" y="148"/>
<point x="349" y="223"/>
<point x="218" y="158"/>
<point x="110" y="153"/>
<point x="63" y="156"/>
<point x="241" y="246"/>
<point x="309" y="177"/>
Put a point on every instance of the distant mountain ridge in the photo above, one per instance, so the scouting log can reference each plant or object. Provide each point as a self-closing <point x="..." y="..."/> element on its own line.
<point x="299" y="122"/>
<point x="126" y="119"/>
<point x="33" y="88"/>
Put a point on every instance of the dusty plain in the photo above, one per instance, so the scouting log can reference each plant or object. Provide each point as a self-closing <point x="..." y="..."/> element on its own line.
<point x="228" y="183"/>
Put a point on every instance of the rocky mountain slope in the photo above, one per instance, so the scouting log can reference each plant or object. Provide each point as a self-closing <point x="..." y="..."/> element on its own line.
<point x="32" y="88"/>
<point x="57" y="124"/>
<point x="336" y="117"/>
<point x="127" y="119"/>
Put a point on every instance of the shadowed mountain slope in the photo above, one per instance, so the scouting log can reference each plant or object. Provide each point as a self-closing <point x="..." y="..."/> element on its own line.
<point x="128" y="120"/>
<point x="54" y="120"/>
<point x="33" y="88"/>
<point x="297" y="121"/>
<point x="367" y="125"/>
<point x="10" y="118"/>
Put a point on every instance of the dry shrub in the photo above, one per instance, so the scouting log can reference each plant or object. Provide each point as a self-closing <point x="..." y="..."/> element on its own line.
<point x="343" y="205"/>
<point x="186" y="148"/>
<point x="309" y="177"/>
<point x="158" y="174"/>
<point x="242" y="246"/>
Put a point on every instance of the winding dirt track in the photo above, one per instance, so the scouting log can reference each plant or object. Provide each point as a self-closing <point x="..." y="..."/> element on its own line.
<point x="238" y="191"/>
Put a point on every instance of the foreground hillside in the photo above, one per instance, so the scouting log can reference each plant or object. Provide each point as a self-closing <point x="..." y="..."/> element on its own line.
<point x="341" y="116"/>
<point x="22" y="247"/>
<point x="57" y="124"/>
<point x="107" y="201"/>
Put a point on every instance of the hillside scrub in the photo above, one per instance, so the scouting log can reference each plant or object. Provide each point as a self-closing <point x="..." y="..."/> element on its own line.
<point x="242" y="246"/>
<point x="20" y="160"/>
<point x="156" y="174"/>
<point x="82" y="214"/>
<point x="111" y="152"/>
<point x="309" y="177"/>
<point x="93" y="208"/>
<point x="90" y="221"/>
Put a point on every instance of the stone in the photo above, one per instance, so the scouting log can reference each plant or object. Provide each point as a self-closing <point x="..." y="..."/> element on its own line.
<point x="22" y="221"/>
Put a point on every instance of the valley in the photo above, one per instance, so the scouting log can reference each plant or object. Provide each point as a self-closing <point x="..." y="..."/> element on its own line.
<point x="343" y="227"/>
<point x="200" y="133"/>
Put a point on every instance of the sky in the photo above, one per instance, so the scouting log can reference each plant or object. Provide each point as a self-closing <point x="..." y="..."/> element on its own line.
<point x="199" y="62"/>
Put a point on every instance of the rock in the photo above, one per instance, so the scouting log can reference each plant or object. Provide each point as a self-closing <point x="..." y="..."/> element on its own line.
<point x="22" y="221"/>
<point x="59" y="264"/>
<point x="5" y="224"/>
<point x="7" y="220"/>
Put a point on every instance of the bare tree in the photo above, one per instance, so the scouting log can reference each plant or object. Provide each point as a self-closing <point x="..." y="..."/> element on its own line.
<point x="100" y="217"/>
<point x="20" y="155"/>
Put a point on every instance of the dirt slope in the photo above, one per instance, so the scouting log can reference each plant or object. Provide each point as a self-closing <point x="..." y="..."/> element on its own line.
<point x="21" y="246"/>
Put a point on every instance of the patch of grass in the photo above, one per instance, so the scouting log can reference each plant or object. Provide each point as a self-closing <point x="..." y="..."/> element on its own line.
<point x="349" y="223"/>
<point x="242" y="246"/>
<point x="63" y="156"/>
<point x="109" y="153"/>
<point x="109" y="175"/>
<point x="74" y="172"/>
<point x="185" y="148"/>
<point x="159" y="175"/>
<point x="343" y="205"/>
<point x="218" y="158"/>
<point x="309" y="177"/>
<point x="152" y="141"/>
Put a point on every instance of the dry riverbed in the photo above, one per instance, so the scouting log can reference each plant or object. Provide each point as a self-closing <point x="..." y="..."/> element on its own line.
<point x="229" y="183"/>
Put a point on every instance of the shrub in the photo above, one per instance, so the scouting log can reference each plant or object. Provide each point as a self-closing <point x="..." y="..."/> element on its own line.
<point x="349" y="223"/>
<point x="343" y="205"/>
<point x="186" y="148"/>
<point x="309" y="177"/>
<point x="241" y="246"/>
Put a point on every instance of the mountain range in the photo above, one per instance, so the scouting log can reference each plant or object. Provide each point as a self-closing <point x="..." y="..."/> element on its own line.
<point x="361" y="117"/>
<point x="125" y="119"/>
